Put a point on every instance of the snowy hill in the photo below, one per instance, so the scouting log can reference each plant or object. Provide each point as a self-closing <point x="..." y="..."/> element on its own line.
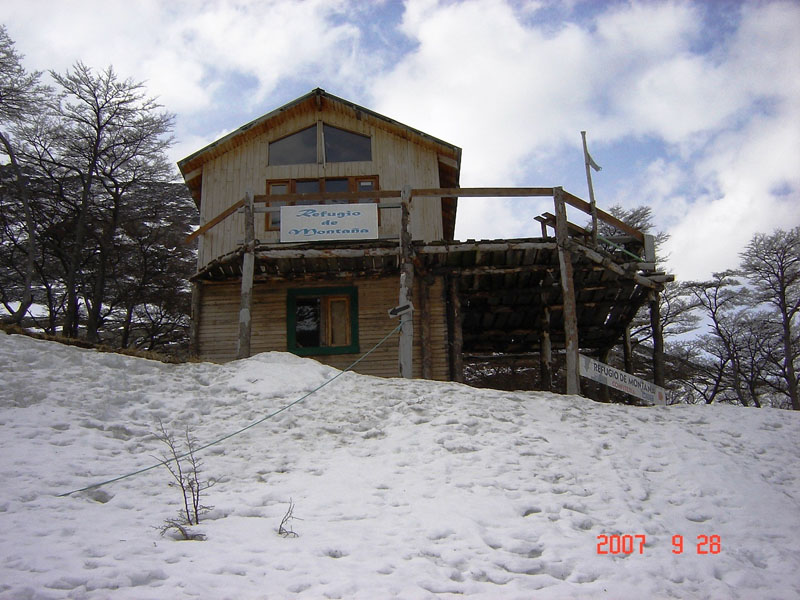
<point x="406" y="489"/>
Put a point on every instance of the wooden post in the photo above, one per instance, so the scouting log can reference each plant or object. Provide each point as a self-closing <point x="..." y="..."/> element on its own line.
<point x="658" y="340"/>
<point x="406" y="346"/>
<point x="457" y="359"/>
<point x="589" y="165"/>
<point x="194" y="326"/>
<point x="605" y="391"/>
<point x="627" y="350"/>
<point x="546" y="353"/>
<point x="248" y="267"/>
<point x="425" y="326"/>
<point x="568" y="292"/>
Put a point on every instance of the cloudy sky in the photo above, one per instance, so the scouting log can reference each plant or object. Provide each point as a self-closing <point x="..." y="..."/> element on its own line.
<point x="691" y="108"/>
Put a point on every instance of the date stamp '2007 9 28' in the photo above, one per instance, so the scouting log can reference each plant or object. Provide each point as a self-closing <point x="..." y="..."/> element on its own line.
<point x="634" y="544"/>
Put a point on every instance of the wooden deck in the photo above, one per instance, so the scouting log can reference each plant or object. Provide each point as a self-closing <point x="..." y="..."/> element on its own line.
<point x="503" y="286"/>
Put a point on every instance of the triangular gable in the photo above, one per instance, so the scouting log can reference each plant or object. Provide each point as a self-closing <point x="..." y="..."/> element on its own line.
<point x="191" y="167"/>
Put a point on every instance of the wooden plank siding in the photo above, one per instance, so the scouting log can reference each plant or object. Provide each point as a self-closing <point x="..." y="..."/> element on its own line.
<point x="218" y="327"/>
<point x="396" y="160"/>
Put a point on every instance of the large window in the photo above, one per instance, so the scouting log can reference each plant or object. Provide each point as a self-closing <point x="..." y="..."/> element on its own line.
<point x="296" y="149"/>
<point x="339" y="145"/>
<point x="310" y="186"/>
<point x="345" y="146"/>
<point x="322" y="321"/>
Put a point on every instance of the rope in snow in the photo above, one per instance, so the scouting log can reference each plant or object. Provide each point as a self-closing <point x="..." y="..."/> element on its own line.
<point x="242" y="430"/>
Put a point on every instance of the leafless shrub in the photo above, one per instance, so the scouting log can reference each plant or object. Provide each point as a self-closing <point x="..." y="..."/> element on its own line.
<point x="285" y="528"/>
<point x="184" y="467"/>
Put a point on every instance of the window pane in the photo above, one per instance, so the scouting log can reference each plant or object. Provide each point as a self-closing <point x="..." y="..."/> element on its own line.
<point x="309" y="186"/>
<point x="337" y="185"/>
<point x="274" y="218"/>
<point x="346" y="146"/>
<point x="365" y="185"/>
<point x="307" y="322"/>
<point x="278" y="188"/>
<point x="338" y="322"/>
<point x="296" y="149"/>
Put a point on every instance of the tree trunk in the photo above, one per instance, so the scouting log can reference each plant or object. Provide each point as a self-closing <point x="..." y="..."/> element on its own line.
<point x="98" y="293"/>
<point x="70" y="327"/>
<point x="27" y="295"/>
<point x="788" y="363"/>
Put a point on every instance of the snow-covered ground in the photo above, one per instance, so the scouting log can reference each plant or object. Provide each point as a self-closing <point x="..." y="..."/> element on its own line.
<point x="401" y="489"/>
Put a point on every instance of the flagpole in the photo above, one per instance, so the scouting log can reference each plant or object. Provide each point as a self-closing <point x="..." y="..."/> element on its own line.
<point x="588" y="162"/>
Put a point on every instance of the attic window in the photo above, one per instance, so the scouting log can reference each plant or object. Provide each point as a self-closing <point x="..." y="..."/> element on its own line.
<point x="339" y="146"/>
<point x="345" y="146"/>
<point x="295" y="149"/>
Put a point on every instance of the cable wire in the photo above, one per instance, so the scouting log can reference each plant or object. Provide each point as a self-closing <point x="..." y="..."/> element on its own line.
<point x="239" y="431"/>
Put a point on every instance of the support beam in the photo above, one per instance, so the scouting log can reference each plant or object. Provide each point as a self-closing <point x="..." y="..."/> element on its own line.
<point x="248" y="262"/>
<point x="423" y="293"/>
<point x="627" y="350"/>
<point x="568" y="289"/>
<point x="605" y="391"/>
<point x="457" y="349"/>
<point x="546" y="353"/>
<point x="658" y="340"/>
<point x="406" y="345"/>
<point x="194" y="326"/>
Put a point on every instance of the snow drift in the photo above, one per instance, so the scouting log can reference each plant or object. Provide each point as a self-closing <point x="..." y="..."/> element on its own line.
<point x="401" y="489"/>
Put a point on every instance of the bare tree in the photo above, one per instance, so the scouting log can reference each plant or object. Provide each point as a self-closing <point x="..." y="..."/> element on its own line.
<point x="101" y="132"/>
<point x="771" y="264"/>
<point x="20" y="95"/>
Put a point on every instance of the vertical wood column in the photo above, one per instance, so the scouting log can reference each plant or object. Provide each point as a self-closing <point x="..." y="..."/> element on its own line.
<point x="658" y="340"/>
<point x="546" y="353"/>
<point x="457" y="349"/>
<point x="627" y="350"/>
<point x="605" y="391"/>
<point x="423" y="293"/>
<point x="568" y="291"/>
<point x="248" y="267"/>
<point x="406" y="346"/>
<point x="194" y="325"/>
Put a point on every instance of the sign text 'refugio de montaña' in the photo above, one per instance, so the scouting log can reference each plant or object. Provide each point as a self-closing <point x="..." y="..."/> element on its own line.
<point x="620" y="380"/>
<point x="317" y="223"/>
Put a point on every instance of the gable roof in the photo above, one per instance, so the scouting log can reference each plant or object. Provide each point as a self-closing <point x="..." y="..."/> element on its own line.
<point x="191" y="167"/>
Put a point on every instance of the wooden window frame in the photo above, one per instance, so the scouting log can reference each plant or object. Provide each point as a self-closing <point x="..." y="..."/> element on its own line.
<point x="352" y="183"/>
<point x="326" y="294"/>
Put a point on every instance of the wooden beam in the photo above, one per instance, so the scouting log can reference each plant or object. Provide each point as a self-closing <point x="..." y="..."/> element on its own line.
<point x="627" y="350"/>
<point x="568" y="289"/>
<point x="406" y="344"/>
<point x="248" y="262"/>
<point x="457" y="350"/>
<point x="486" y="192"/>
<point x="546" y="353"/>
<point x="367" y="195"/>
<point x="603" y="216"/>
<point x="194" y="327"/>
<point x="609" y="264"/>
<point x="658" y="340"/>
<point x="423" y="293"/>
<point x="483" y="247"/>
<point x="220" y="217"/>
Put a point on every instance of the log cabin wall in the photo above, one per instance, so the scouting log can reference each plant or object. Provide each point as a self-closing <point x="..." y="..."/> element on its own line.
<point x="399" y="158"/>
<point x="218" y="324"/>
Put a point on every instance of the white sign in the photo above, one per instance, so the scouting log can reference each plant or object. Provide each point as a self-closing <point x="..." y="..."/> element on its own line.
<point x="620" y="380"/>
<point x="320" y="222"/>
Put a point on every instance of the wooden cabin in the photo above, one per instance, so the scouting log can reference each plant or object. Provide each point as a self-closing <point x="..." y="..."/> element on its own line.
<point x="330" y="299"/>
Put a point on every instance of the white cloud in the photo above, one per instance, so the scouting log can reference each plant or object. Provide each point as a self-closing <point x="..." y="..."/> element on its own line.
<point x="722" y="104"/>
<point x="513" y="95"/>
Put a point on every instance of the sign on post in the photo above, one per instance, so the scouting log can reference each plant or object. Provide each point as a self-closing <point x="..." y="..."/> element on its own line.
<point x="620" y="380"/>
<point x="329" y="222"/>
